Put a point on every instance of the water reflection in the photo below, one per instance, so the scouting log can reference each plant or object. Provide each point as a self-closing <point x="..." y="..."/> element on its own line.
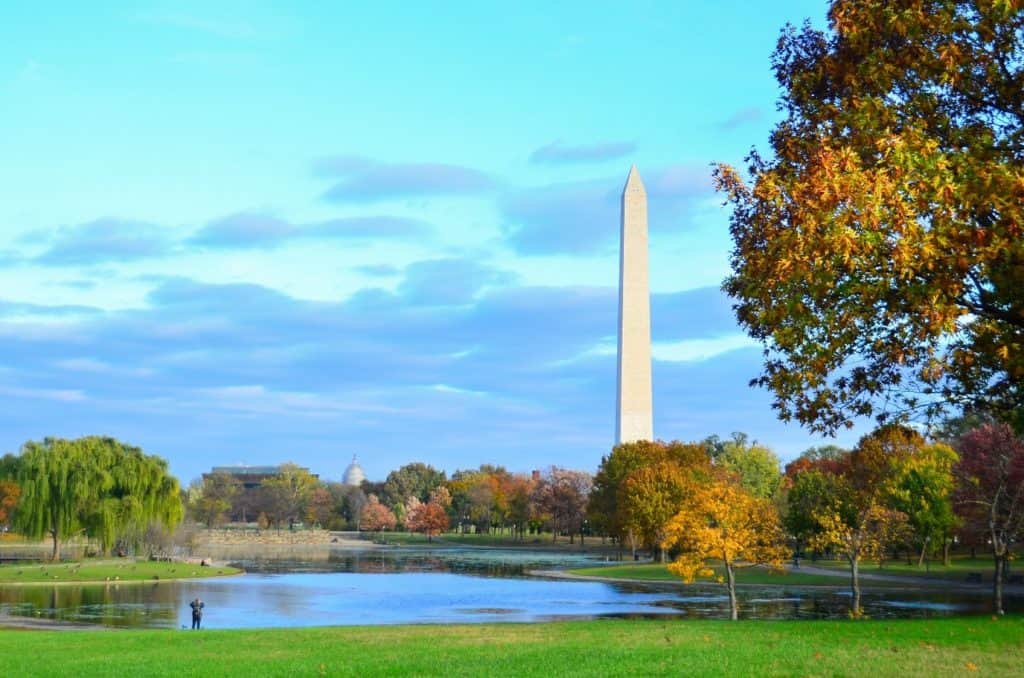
<point x="449" y="586"/>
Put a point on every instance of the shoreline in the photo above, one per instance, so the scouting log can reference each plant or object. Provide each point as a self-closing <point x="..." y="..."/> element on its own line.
<point x="875" y="582"/>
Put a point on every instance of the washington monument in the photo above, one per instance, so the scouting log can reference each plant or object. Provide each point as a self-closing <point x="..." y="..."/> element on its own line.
<point x="634" y="418"/>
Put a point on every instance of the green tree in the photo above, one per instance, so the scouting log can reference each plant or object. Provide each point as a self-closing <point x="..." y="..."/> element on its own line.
<point x="756" y="466"/>
<point x="287" y="493"/>
<point x="603" y="510"/>
<point x="650" y="496"/>
<point x="879" y="250"/>
<point x="922" y="489"/>
<point x="210" y="499"/>
<point x="97" y="485"/>
<point x="412" y="480"/>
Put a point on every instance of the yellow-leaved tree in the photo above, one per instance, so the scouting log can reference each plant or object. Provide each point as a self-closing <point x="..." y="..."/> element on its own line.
<point x="721" y="520"/>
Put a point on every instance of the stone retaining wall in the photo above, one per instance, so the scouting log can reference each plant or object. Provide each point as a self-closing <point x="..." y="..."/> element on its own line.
<point x="269" y="537"/>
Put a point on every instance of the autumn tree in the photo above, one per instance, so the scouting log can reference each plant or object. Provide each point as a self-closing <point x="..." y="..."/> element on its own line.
<point x="375" y="516"/>
<point x="857" y="517"/>
<point x="603" y="510"/>
<point x="990" y="492"/>
<point x="879" y="249"/>
<point x="319" y="506"/>
<point x="649" y="498"/>
<point x="10" y="492"/>
<point x="210" y="499"/>
<point x="720" y="519"/>
<point x="562" y="494"/>
<point x="412" y="480"/>
<point x="429" y="518"/>
<point x="287" y="492"/>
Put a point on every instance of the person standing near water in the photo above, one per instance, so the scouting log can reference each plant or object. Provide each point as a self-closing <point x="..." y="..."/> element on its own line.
<point x="197" y="606"/>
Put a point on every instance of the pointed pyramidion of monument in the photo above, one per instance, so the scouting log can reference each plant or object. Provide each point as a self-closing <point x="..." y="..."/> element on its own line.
<point x="634" y="418"/>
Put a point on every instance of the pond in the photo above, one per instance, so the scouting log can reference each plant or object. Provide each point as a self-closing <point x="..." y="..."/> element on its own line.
<point x="420" y="586"/>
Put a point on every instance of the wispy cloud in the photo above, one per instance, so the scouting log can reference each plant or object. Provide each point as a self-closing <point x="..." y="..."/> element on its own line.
<point x="264" y="230"/>
<point x="557" y="153"/>
<point x="583" y="217"/>
<point x="105" y="240"/>
<point x="740" y="118"/>
<point x="367" y="180"/>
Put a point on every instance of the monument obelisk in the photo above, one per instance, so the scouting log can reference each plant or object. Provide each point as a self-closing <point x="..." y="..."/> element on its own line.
<point x="634" y="418"/>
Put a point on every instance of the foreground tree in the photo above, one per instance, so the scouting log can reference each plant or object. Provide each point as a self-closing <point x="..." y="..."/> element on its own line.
<point x="722" y="520"/>
<point x="990" y="492"/>
<point x="95" y="484"/>
<point x="879" y="251"/>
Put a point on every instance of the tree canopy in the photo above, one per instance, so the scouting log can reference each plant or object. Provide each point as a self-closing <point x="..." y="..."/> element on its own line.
<point x="879" y="250"/>
<point x="110" y="491"/>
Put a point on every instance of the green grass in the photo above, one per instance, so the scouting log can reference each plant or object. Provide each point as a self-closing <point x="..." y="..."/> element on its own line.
<point x="122" y="569"/>
<point x="503" y="540"/>
<point x="658" y="572"/>
<point x="956" y="571"/>
<point x="939" y="647"/>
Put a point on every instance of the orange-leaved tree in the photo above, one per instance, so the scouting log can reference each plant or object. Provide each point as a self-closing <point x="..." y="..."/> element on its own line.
<point x="10" y="492"/>
<point x="430" y="519"/>
<point x="376" y="516"/>
<point x="721" y="520"/>
<point x="879" y="247"/>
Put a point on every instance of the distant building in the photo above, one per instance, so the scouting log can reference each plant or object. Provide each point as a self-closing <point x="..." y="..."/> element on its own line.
<point x="250" y="477"/>
<point x="247" y="505"/>
<point x="354" y="474"/>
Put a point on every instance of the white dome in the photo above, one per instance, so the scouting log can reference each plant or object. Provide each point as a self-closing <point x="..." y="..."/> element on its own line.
<point x="354" y="474"/>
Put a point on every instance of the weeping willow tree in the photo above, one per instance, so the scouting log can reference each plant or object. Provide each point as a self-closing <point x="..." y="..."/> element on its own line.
<point x="98" y="486"/>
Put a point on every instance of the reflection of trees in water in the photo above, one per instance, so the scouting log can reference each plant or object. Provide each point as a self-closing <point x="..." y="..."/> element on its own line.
<point x="111" y="605"/>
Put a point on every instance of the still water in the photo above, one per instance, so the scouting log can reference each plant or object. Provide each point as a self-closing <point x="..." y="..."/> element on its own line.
<point x="410" y="586"/>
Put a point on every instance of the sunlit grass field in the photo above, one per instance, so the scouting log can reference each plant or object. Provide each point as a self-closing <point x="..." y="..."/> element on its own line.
<point x="658" y="572"/>
<point x="937" y="647"/>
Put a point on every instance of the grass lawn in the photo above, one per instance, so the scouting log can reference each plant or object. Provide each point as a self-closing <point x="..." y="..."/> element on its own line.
<point x="939" y="647"/>
<point x="956" y="571"/>
<point x="122" y="569"/>
<point x="658" y="572"/>
<point x="531" y="541"/>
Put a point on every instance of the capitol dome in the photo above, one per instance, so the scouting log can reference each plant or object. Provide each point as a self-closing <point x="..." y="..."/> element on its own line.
<point x="354" y="474"/>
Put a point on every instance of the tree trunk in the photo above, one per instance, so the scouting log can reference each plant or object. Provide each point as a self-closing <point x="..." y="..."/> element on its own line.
<point x="924" y="548"/>
<point x="997" y="584"/>
<point x="731" y="583"/>
<point x="55" y="556"/>
<point x="946" y="543"/>
<point x="855" y="586"/>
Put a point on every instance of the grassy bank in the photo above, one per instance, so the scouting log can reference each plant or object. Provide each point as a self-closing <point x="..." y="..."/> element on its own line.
<point x="122" y="569"/>
<point x="657" y="572"/>
<point x="926" y="647"/>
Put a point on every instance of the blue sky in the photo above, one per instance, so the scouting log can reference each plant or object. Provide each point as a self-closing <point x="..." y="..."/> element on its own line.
<point x="255" y="232"/>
